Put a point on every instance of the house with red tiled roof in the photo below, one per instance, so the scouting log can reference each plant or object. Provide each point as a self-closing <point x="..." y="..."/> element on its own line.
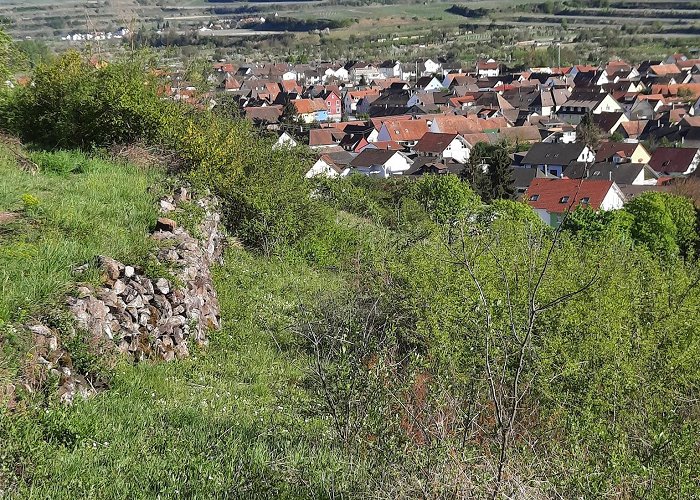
<point x="406" y="132"/>
<point x="383" y="145"/>
<point x="324" y="137"/>
<point x="311" y="110"/>
<point x="553" y="198"/>
<point x="443" y="146"/>
<point x="456" y="124"/>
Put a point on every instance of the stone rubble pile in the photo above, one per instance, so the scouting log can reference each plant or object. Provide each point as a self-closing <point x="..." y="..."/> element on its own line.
<point x="51" y="358"/>
<point x="157" y="318"/>
<point x="137" y="315"/>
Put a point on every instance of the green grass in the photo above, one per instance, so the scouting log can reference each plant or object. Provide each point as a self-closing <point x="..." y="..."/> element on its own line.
<point x="74" y="209"/>
<point x="233" y="421"/>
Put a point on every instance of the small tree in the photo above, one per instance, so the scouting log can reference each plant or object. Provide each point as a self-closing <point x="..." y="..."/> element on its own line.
<point x="588" y="133"/>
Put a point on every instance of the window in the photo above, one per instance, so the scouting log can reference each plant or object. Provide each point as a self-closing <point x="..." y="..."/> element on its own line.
<point x="534" y="197"/>
<point x="585" y="200"/>
<point x="564" y="199"/>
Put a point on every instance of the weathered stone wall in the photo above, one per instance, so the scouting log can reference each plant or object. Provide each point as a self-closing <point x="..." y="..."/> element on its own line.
<point x="140" y="316"/>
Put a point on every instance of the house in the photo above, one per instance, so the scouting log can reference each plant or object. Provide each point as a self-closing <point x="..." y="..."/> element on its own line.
<point x="333" y="105"/>
<point x="352" y="97"/>
<point x="429" y="83"/>
<point x="622" y="152"/>
<point x="405" y="132"/>
<point x="331" y="164"/>
<point x="324" y="137"/>
<point x="675" y="161"/>
<point x="285" y="140"/>
<point x="608" y="122"/>
<point x="553" y="158"/>
<point x="429" y="67"/>
<point x="443" y="146"/>
<point x="381" y="163"/>
<point x="553" y="198"/>
<point x="311" y="110"/>
<point x="487" y="68"/>
<point x="456" y="124"/>
<point x="264" y="115"/>
<point x="623" y="174"/>
<point x="390" y="69"/>
<point x="582" y="102"/>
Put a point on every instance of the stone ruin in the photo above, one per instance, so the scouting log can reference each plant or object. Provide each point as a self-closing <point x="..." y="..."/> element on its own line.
<point x="136" y="315"/>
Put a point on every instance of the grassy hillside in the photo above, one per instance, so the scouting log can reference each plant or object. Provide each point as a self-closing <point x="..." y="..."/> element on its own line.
<point x="234" y="420"/>
<point x="74" y="209"/>
<point x="53" y="221"/>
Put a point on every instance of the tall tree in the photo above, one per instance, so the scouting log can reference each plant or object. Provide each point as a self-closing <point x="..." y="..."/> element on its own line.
<point x="489" y="171"/>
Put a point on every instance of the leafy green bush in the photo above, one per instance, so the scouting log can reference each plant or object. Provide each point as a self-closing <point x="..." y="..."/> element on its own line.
<point x="665" y="223"/>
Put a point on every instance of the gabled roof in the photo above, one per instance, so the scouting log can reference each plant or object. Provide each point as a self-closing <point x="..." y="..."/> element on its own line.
<point x="370" y="157"/>
<point x="267" y="114"/>
<point x="433" y="142"/>
<point x="457" y="124"/>
<point x="608" y="121"/>
<point x="406" y="130"/>
<point x="557" y="153"/>
<point x="672" y="160"/>
<point x="664" y="69"/>
<point x="526" y="133"/>
<point x="620" y="173"/>
<point x="633" y="128"/>
<point x="560" y="195"/>
<point x="305" y="106"/>
<point x="609" y="149"/>
<point x="523" y="177"/>
<point x="338" y="161"/>
<point x="325" y="136"/>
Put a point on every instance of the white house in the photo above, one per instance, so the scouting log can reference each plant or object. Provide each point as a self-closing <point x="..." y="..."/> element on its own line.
<point x="443" y="146"/>
<point x="552" y="198"/>
<point x="381" y="163"/>
<point x="285" y="140"/>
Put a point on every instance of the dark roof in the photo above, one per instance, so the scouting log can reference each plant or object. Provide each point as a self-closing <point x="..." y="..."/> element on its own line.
<point x="672" y="160"/>
<point x="608" y="149"/>
<point x="558" y="153"/>
<point x="423" y="166"/>
<point x="433" y="142"/>
<point x="621" y="173"/>
<point x="370" y="157"/>
<point x="606" y="121"/>
<point x="523" y="177"/>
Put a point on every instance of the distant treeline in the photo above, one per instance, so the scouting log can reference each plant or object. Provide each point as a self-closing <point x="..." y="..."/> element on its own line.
<point x="463" y="10"/>
<point x="243" y="9"/>
<point x="149" y="38"/>
<point x="604" y="9"/>
<point x="294" y="24"/>
<point x="267" y="1"/>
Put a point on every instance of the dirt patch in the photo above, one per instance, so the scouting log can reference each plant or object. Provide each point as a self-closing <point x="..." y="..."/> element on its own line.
<point x="8" y="217"/>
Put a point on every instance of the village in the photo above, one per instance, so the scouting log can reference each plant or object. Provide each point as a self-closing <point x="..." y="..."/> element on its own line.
<point x="392" y="118"/>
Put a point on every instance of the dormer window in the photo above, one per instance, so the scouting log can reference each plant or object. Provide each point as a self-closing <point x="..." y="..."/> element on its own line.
<point x="564" y="199"/>
<point x="534" y="197"/>
<point x="585" y="200"/>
